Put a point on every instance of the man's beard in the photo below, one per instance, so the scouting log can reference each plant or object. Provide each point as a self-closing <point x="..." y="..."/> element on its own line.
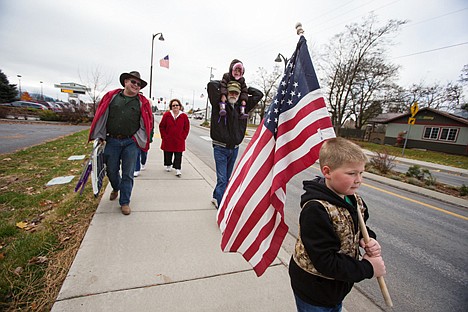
<point x="233" y="99"/>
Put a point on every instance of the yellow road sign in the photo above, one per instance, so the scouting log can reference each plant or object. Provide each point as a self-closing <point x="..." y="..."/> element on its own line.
<point x="414" y="109"/>
<point x="411" y="121"/>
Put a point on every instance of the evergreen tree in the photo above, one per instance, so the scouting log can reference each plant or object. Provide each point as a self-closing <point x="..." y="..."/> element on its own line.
<point x="8" y="92"/>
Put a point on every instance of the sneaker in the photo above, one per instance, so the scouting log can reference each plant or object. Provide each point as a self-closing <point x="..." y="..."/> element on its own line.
<point x="178" y="173"/>
<point x="214" y="202"/>
<point x="126" y="209"/>
<point x="136" y="173"/>
<point x="143" y="167"/>
<point x="113" y="195"/>
<point x="168" y="168"/>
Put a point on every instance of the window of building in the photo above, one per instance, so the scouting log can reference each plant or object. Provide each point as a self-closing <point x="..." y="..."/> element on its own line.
<point x="431" y="133"/>
<point x="448" y="134"/>
<point x="440" y="134"/>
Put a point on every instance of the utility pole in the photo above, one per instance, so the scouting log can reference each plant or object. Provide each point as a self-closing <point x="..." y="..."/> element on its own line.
<point x="206" y="109"/>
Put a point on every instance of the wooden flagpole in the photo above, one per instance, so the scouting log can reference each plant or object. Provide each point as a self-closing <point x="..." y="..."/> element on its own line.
<point x="383" y="286"/>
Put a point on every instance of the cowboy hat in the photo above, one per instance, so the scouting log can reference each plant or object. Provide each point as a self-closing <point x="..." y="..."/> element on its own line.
<point x="132" y="74"/>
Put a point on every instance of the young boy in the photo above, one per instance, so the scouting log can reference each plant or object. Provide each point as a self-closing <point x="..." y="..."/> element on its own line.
<point x="236" y="73"/>
<point x="326" y="261"/>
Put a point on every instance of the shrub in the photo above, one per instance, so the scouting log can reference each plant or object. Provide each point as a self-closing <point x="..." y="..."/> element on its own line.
<point x="4" y="111"/>
<point x="421" y="174"/>
<point x="49" y="115"/>
<point x="463" y="190"/>
<point x="415" y="172"/>
<point x="383" y="162"/>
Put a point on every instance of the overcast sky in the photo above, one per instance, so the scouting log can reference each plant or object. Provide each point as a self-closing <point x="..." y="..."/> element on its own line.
<point x="57" y="41"/>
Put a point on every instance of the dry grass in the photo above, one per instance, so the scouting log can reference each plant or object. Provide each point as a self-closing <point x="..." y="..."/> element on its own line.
<point x="35" y="257"/>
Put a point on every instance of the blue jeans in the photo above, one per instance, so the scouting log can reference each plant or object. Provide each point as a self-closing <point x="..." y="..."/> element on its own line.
<point x="303" y="306"/>
<point x="121" y="152"/>
<point x="141" y="159"/>
<point x="225" y="159"/>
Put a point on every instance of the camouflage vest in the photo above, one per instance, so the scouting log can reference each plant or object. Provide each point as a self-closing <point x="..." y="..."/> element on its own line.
<point x="344" y="229"/>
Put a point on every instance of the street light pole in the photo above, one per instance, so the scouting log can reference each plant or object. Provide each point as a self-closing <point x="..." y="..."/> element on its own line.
<point x="19" y="85"/>
<point x="206" y="109"/>
<point x="161" y="38"/>
<point x="280" y="58"/>
<point x="42" y="94"/>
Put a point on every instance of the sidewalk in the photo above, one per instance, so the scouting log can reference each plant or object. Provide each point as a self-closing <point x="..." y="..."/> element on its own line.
<point x="166" y="256"/>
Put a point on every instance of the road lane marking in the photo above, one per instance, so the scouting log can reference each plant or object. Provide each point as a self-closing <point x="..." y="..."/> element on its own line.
<point x="418" y="202"/>
<point x="206" y="138"/>
<point x="413" y="200"/>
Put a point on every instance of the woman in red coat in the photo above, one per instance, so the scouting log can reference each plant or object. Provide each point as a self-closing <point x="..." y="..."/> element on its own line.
<point x="174" y="128"/>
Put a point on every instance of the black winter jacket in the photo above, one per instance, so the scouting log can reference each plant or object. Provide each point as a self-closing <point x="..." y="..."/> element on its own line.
<point x="322" y="246"/>
<point x="229" y="130"/>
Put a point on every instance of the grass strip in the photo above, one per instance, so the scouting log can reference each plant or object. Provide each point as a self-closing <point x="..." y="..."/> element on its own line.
<point x="41" y="227"/>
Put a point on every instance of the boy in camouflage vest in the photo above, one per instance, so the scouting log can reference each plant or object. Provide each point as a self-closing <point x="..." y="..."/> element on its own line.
<point x="326" y="262"/>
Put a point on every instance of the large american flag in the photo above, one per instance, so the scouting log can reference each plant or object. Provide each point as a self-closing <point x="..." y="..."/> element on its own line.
<point x="251" y="216"/>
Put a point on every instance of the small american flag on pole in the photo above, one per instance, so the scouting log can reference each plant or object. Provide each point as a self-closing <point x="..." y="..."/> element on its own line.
<point x="251" y="216"/>
<point x="164" y="62"/>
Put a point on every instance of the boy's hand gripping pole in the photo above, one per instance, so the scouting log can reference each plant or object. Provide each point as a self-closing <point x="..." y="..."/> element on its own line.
<point x="380" y="279"/>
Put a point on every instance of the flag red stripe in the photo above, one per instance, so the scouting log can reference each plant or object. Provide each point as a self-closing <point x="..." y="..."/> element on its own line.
<point x="301" y="112"/>
<point x="246" y="191"/>
<point x="265" y="231"/>
<point x="251" y="223"/>
<point x="271" y="252"/>
<point x="253" y="142"/>
<point x="299" y="139"/>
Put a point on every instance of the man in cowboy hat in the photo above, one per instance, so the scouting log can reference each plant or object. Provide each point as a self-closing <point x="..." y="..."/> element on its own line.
<point x="124" y="120"/>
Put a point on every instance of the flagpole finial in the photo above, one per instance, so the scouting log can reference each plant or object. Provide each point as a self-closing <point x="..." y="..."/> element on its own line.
<point x="299" y="29"/>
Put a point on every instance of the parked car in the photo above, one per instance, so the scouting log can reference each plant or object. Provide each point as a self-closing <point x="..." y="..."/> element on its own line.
<point x="26" y="104"/>
<point x="47" y="104"/>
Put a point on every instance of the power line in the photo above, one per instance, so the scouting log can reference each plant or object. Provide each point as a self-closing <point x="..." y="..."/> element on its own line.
<point x="427" y="51"/>
<point x="435" y="17"/>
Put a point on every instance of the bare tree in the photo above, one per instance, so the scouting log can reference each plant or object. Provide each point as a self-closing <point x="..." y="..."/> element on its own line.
<point x="97" y="83"/>
<point x="454" y="96"/>
<point x="368" y="92"/>
<point x="464" y="75"/>
<point x="348" y="58"/>
<point x="267" y="82"/>
<point x="394" y="99"/>
<point x="426" y="95"/>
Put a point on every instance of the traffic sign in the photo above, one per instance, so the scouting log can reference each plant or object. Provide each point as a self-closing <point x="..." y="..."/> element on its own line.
<point x="72" y="91"/>
<point x="411" y="121"/>
<point x="414" y="109"/>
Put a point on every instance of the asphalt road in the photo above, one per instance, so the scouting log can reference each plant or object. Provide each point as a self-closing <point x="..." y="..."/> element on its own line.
<point x="424" y="240"/>
<point x="16" y="135"/>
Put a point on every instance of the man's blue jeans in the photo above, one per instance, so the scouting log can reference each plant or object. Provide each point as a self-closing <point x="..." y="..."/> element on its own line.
<point x="225" y="159"/>
<point x="303" y="306"/>
<point x="121" y="152"/>
<point x="141" y="159"/>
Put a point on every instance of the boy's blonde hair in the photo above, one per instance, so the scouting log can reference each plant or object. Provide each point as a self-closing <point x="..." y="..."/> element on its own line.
<point x="338" y="151"/>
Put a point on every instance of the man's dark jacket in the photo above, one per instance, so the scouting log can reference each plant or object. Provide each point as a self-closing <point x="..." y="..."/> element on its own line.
<point x="230" y="129"/>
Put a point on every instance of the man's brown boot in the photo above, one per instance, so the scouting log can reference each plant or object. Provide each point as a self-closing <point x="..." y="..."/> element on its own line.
<point x="126" y="209"/>
<point x="114" y="195"/>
